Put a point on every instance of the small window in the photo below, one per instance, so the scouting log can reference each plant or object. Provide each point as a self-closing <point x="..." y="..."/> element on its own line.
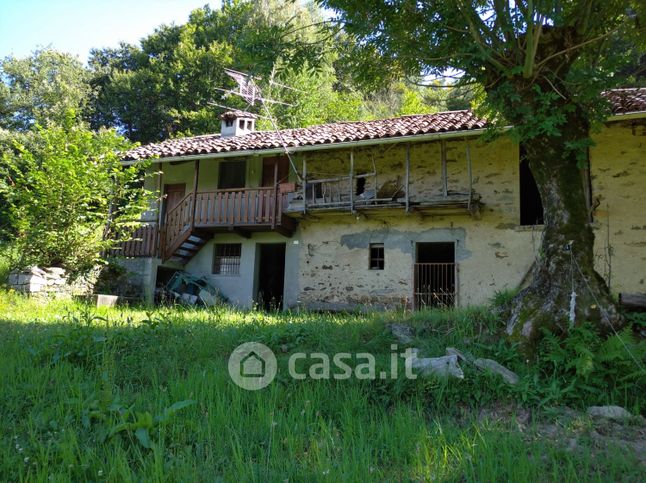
<point x="241" y="123"/>
<point x="228" y="123"/>
<point x="249" y="125"/>
<point x="227" y="259"/>
<point x="376" y="256"/>
<point x="232" y="175"/>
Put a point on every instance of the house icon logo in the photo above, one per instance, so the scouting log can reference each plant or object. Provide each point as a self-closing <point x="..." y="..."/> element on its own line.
<point x="252" y="366"/>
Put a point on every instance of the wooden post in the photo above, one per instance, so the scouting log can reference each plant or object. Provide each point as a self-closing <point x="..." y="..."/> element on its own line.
<point x="195" y="181"/>
<point x="445" y="186"/>
<point x="407" y="177"/>
<point x="304" y="184"/>
<point x="352" y="181"/>
<point x="160" y="199"/>
<point x="273" y="220"/>
<point x="469" y="174"/>
<point x="159" y="246"/>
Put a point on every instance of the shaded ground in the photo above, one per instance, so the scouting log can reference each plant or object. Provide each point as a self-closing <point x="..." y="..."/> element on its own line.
<point x="78" y="387"/>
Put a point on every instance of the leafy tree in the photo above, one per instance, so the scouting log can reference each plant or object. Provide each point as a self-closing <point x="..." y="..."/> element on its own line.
<point x="41" y="89"/>
<point x="169" y="86"/>
<point x="68" y="195"/>
<point x="543" y="66"/>
<point x="312" y="97"/>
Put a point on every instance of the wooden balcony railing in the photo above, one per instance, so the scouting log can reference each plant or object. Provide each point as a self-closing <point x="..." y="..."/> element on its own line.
<point x="143" y="243"/>
<point x="249" y="209"/>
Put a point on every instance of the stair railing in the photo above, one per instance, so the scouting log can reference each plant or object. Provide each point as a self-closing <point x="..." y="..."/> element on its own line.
<point x="178" y="222"/>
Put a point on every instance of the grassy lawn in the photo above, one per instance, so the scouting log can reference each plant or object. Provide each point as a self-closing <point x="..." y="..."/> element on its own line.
<point x="125" y="394"/>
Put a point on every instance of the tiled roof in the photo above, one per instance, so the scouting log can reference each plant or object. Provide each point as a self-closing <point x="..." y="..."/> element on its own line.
<point x="310" y="136"/>
<point x="234" y="114"/>
<point x="624" y="101"/>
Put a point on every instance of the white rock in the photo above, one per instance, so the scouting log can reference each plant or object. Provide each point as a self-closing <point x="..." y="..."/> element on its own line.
<point x="452" y="351"/>
<point x="437" y="366"/>
<point x="106" y="300"/>
<point x="610" y="412"/>
<point x="509" y="377"/>
<point x="56" y="271"/>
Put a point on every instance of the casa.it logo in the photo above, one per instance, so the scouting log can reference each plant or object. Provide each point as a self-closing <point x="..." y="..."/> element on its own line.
<point x="252" y="366"/>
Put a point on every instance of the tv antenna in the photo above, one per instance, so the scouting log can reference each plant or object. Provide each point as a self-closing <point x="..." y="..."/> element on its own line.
<point x="248" y="89"/>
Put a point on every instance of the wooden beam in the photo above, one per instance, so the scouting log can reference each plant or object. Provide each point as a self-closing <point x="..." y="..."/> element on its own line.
<point x="352" y="181"/>
<point x="407" y="177"/>
<point x="160" y="200"/>
<point x="195" y="182"/>
<point x="470" y="175"/>
<point x="284" y="231"/>
<point x="304" y="184"/>
<point x="445" y="185"/>
<point x="633" y="300"/>
<point x="239" y="231"/>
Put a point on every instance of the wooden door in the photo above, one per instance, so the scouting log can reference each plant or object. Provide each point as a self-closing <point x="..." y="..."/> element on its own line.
<point x="173" y="194"/>
<point x="268" y="166"/>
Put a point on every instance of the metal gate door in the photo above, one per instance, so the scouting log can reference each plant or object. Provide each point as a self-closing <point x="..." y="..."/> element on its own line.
<point x="434" y="285"/>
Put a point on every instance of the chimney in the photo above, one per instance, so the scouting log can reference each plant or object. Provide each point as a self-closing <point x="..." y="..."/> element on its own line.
<point x="237" y="123"/>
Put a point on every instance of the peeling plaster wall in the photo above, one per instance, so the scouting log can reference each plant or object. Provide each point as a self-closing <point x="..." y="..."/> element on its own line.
<point x="618" y="172"/>
<point x="327" y="258"/>
<point x="492" y="253"/>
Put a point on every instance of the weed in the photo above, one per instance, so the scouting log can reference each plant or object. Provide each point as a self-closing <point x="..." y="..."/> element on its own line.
<point x="127" y="394"/>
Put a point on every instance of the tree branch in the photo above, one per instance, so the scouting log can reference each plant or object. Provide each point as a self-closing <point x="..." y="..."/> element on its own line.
<point x="574" y="47"/>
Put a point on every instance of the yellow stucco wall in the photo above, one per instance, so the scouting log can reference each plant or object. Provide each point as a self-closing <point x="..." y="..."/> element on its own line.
<point x="618" y="172"/>
<point x="330" y="254"/>
<point x="493" y="252"/>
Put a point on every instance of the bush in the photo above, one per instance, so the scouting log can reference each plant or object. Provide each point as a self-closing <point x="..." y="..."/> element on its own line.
<point x="586" y="369"/>
<point x="69" y="197"/>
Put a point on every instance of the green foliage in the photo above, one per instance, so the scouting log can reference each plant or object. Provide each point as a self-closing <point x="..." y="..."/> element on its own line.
<point x="5" y="261"/>
<point x="167" y="86"/>
<point x="584" y="368"/>
<point x="154" y="402"/>
<point x="42" y="89"/>
<point x="69" y="197"/>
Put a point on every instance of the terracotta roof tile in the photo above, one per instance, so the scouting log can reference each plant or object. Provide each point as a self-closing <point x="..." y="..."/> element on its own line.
<point x="622" y="100"/>
<point x="310" y="136"/>
<point x="234" y="114"/>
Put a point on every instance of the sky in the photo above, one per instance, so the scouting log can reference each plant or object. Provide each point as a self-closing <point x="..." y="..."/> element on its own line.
<point x="76" y="26"/>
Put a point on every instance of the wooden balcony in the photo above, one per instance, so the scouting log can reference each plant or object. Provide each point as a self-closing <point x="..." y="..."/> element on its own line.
<point x="188" y="225"/>
<point x="144" y="242"/>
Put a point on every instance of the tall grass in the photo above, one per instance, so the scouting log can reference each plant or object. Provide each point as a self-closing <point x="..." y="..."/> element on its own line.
<point x="79" y="385"/>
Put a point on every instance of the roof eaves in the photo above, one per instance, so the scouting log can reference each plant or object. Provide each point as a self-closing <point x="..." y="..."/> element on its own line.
<point x="321" y="147"/>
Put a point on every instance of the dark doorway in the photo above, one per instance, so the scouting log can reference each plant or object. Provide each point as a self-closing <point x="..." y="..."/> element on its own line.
<point x="268" y="167"/>
<point x="232" y="175"/>
<point x="434" y="275"/>
<point x="531" y="206"/>
<point x="271" y="275"/>
<point x="173" y="194"/>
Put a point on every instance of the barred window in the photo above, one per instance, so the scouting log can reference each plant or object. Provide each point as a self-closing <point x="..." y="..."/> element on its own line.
<point x="227" y="259"/>
<point x="376" y="256"/>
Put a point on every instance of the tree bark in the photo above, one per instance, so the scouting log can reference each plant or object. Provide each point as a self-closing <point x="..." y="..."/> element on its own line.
<point x="566" y="290"/>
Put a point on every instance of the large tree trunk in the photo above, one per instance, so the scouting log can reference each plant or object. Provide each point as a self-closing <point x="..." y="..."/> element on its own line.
<point x="565" y="290"/>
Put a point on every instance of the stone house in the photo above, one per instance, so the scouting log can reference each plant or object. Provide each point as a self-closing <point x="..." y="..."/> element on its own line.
<point x="414" y="211"/>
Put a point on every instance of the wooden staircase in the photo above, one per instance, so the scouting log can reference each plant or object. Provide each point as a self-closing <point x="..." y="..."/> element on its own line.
<point x="191" y="223"/>
<point x="186" y="247"/>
